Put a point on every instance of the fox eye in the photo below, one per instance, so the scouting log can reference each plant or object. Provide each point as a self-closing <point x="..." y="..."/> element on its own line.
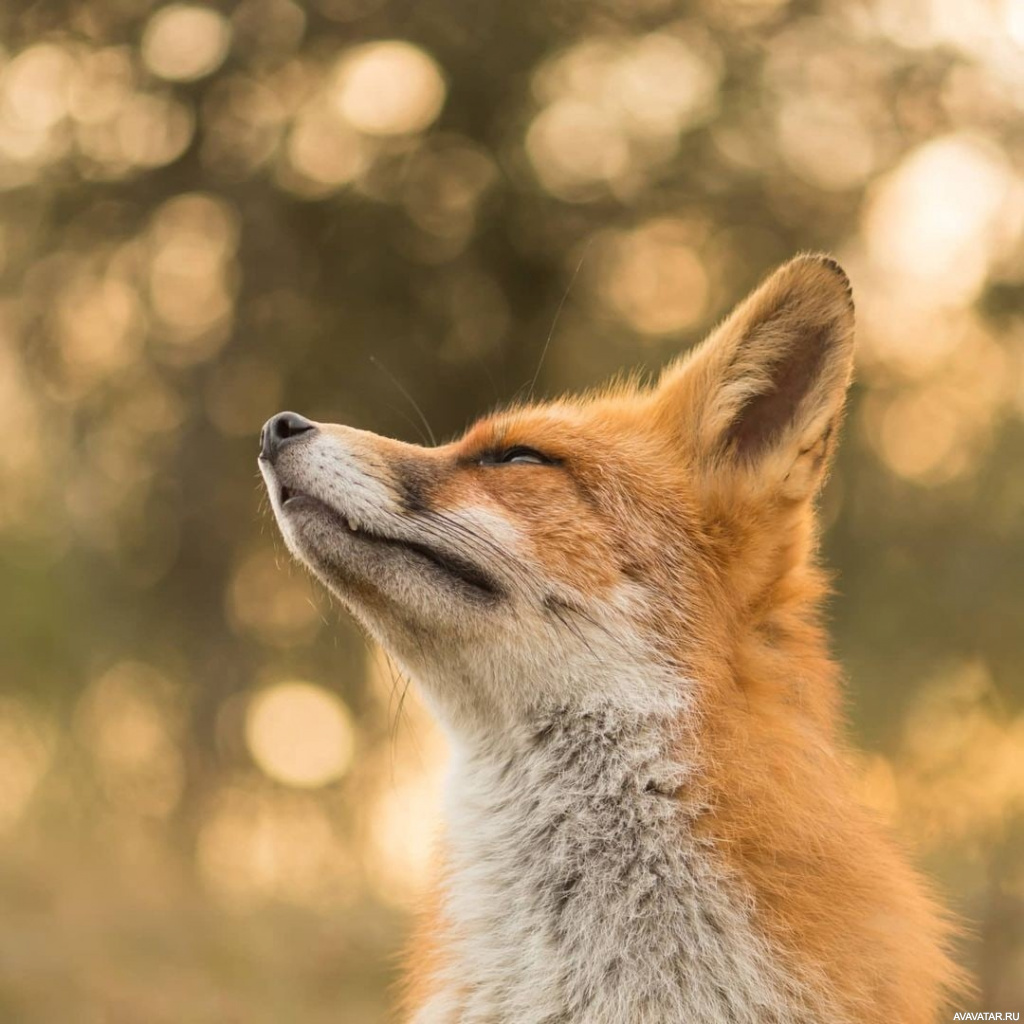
<point x="524" y="455"/>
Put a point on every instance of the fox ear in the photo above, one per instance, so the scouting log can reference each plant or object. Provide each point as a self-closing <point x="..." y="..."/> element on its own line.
<point x="763" y="395"/>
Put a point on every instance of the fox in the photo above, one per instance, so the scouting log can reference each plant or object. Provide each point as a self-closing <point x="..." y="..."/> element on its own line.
<point x="612" y="603"/>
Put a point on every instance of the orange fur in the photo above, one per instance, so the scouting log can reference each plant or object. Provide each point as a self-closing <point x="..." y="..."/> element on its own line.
<point x="830" y="887"/>
<point x="700" y="491"/>
<point x="425" y="955"/>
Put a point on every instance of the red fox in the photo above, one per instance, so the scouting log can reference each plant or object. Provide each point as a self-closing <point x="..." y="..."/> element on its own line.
<point x="611" y="604"/>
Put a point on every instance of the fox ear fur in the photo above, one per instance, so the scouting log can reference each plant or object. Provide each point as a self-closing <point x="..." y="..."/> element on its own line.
<point x="763" y="395"/>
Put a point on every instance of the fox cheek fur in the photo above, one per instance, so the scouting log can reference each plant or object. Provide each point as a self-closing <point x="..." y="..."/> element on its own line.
<point x="612" y="603"/>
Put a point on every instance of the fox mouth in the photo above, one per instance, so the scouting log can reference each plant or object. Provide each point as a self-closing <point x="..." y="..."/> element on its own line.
<point x="453" y="568"/>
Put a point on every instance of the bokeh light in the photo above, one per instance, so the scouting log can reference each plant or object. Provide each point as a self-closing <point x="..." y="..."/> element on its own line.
<point x="389" y="88"/>
<point x="27" y="741"/>
<point x="183" y="42"/>
<point x="273" y="605"/>
<point x="254" y="846"/>
<point x="299" y="734"/>
<point x="191" y="278"/>
<point x="653" y="276"/>
<point x="325" y="150"/>
<point x="614" y="109"/>
<point x="939" y="221"/>
<point x="960" y="771"/>
<point x="35" y="86"/>
<point x="129" y="722"/>
<point x="826" y="144"/>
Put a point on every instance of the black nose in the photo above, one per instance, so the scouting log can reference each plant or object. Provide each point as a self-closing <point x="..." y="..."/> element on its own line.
<point x="280" y="429"/>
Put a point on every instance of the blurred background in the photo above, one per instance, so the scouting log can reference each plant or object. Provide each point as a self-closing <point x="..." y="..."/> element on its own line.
<point x="216" y="801"/>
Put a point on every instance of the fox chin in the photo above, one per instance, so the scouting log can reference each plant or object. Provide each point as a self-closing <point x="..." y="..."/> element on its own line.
<point x="612" y="605"/>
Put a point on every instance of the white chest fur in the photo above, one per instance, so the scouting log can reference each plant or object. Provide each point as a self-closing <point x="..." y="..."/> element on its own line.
<point x="578" y="892"/>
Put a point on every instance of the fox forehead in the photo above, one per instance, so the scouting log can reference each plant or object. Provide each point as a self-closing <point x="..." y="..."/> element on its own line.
<point x="625" y="410"/>
<point x="606" y="444"/>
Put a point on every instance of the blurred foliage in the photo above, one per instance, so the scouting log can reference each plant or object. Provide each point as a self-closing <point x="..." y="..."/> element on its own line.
<point x="210" y="807"/>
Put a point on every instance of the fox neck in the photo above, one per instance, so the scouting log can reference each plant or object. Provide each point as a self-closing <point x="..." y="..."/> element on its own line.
<point x="579" y="889"/>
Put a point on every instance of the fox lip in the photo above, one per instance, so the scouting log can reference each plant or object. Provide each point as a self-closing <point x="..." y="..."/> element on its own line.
<point x="455" y="568"/>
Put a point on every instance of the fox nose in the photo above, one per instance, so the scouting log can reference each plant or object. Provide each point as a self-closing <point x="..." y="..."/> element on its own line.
<point x="281" y="429"/>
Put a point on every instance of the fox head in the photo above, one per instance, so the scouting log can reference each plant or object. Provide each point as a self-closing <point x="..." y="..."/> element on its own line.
<point x="598" y="549"/>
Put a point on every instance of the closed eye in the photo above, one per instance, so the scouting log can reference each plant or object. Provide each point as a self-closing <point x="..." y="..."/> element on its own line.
<point x="520" y="454"/>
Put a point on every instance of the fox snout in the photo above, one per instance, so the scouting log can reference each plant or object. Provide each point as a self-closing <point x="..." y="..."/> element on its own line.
<point x="364" y="513"/>
<point x="281" y="429"/>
